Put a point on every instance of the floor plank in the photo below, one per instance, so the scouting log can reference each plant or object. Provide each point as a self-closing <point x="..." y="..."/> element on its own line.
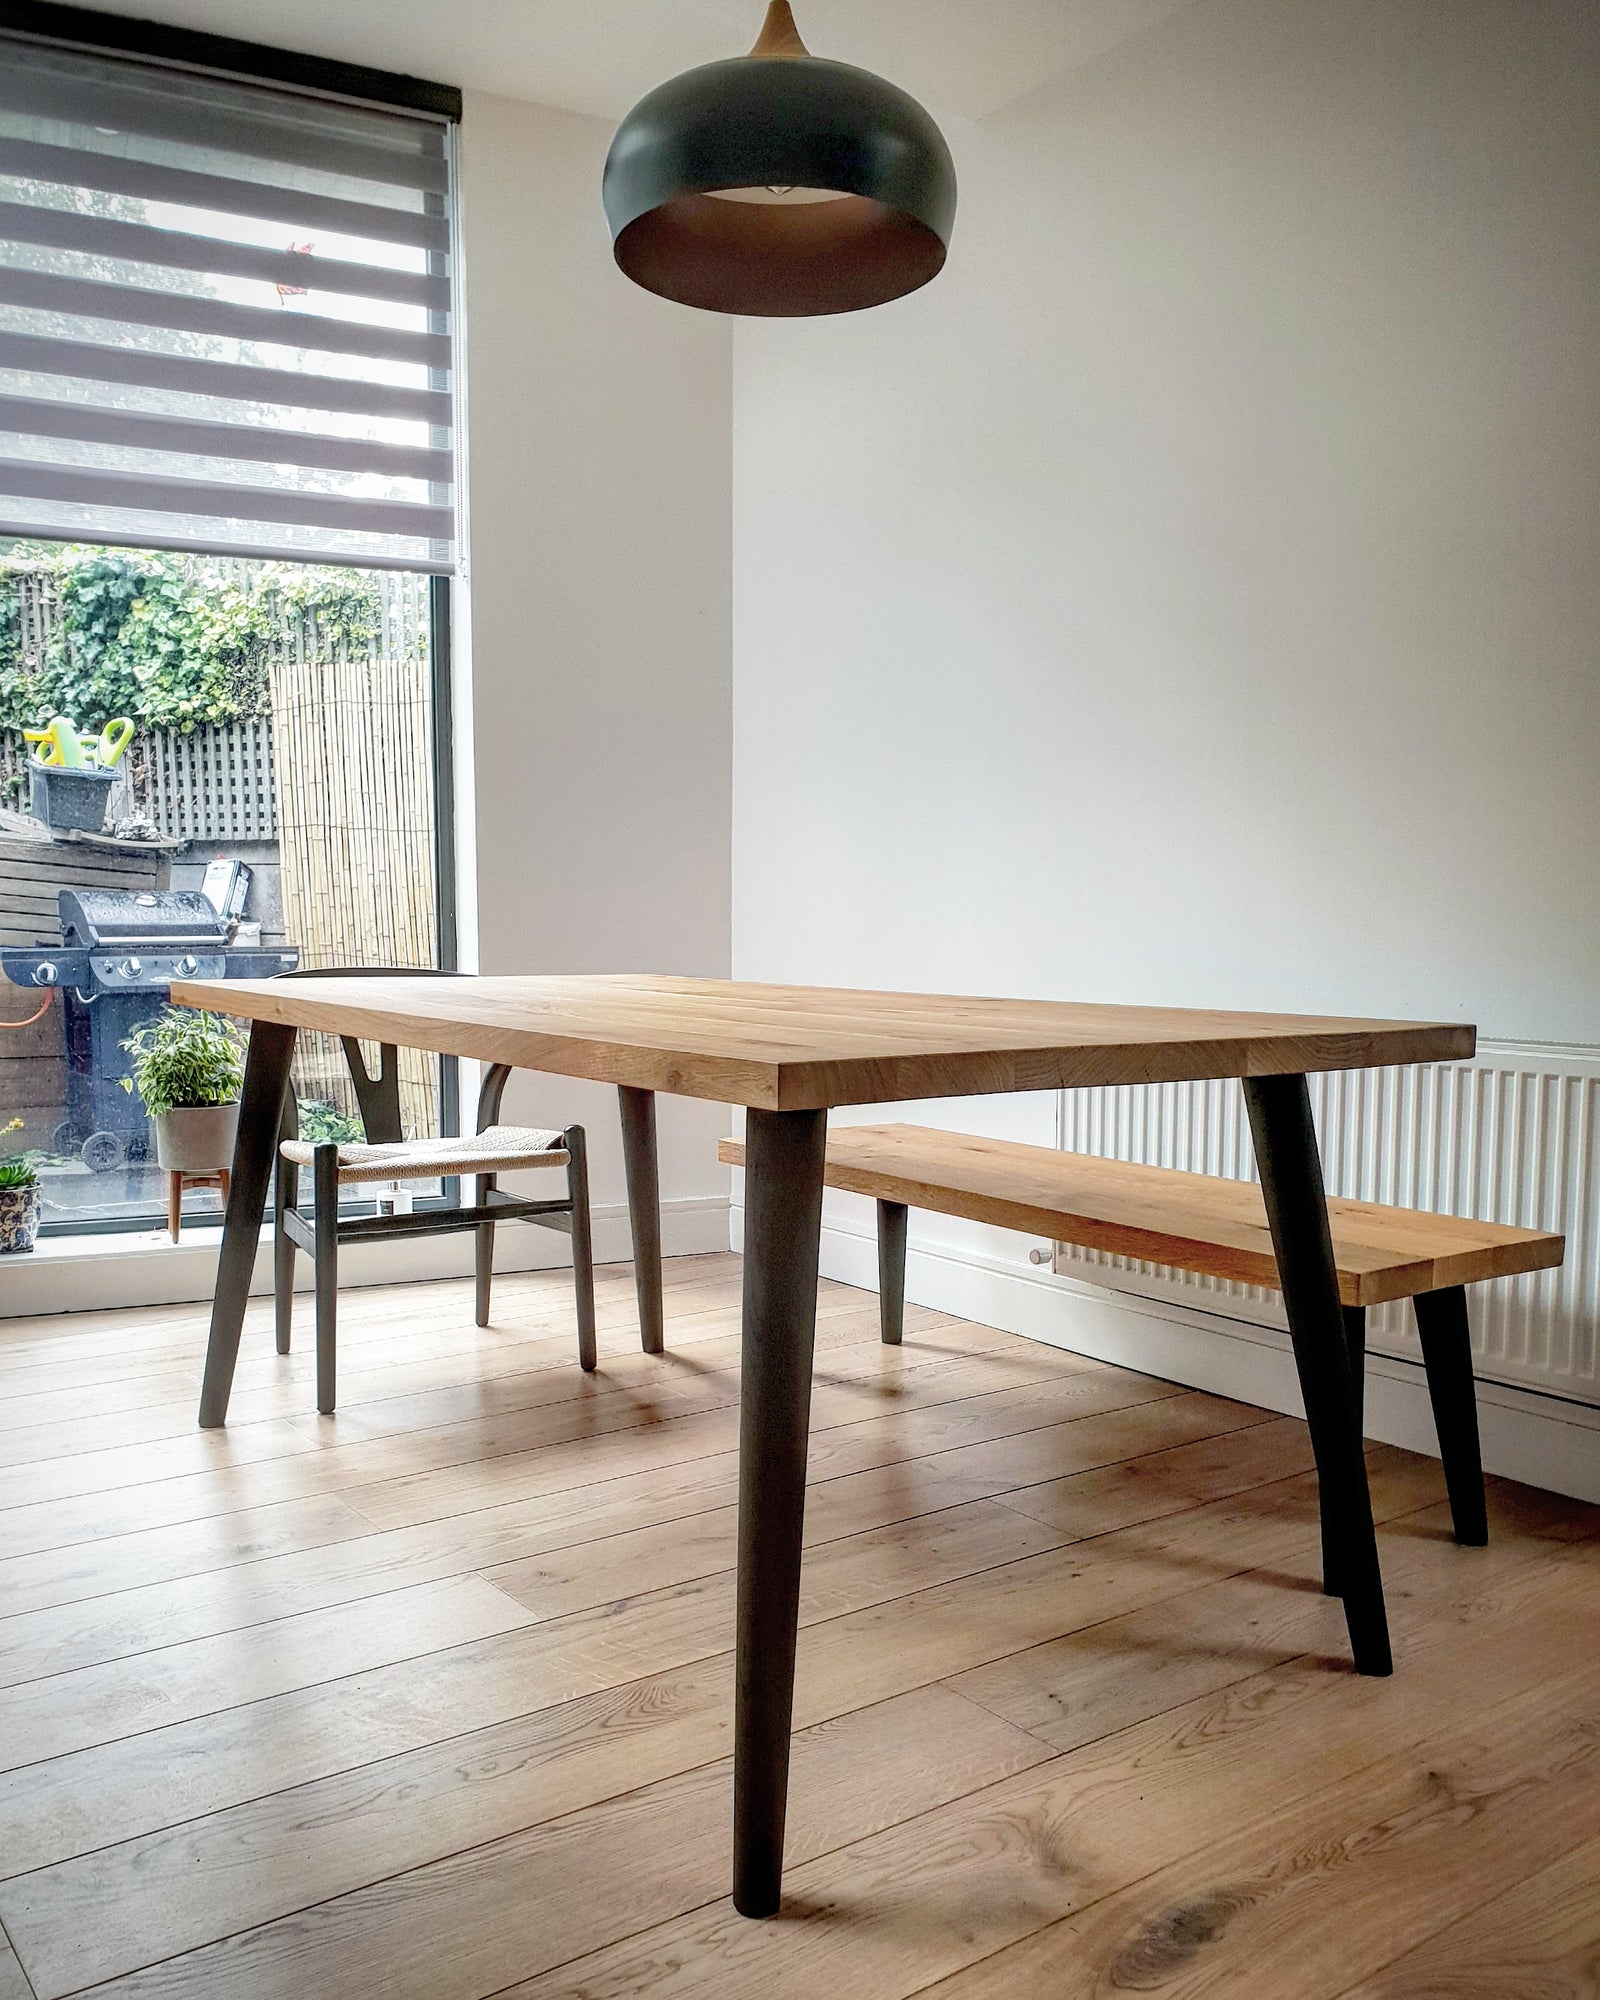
<point x="1539" y="1940"/>
<point x="13" y="1981"/>
<point x="890" y="1915"/>
<point x="126" y="1787"/>
<point x="434" y="1698"/>
<point x="652" y="1849"/>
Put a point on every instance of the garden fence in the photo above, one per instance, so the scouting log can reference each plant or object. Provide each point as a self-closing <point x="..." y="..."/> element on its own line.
<point x="339" y="774"/>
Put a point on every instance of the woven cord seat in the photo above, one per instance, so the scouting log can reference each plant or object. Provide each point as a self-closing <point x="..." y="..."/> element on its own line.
<point x="499" y="1149"/>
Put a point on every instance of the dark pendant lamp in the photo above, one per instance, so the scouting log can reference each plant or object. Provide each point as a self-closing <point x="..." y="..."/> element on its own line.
<point x="779" y="184"/>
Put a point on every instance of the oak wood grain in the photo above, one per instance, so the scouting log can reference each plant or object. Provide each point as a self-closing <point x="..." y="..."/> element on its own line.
<point x="1194" y="1222"/>
<point x="1063" y="1649"/>
<point x="518" y="1785"/>
<point x="891" y="1914"/>
<point x="1539" y="1940"/>
<point x="797" y="1048"/>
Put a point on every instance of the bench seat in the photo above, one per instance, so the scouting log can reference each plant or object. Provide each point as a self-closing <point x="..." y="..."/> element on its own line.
<point x="1195" y="1222"/>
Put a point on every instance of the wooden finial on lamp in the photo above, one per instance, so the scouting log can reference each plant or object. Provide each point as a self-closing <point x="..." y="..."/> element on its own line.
<point x="779" y="36"/>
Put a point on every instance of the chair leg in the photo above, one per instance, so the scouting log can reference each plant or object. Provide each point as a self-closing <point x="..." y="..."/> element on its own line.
<point x="483" y="1251"/>
<point x="286" y="1196"/>
<point x="582" y="1244"/>
<point x="325" y="1203"/>
<point x="1447" y="1357"/>
<point x="892" y="1218"/>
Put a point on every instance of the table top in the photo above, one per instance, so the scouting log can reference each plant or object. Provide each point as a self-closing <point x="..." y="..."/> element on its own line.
<point x="804" y="1048"/>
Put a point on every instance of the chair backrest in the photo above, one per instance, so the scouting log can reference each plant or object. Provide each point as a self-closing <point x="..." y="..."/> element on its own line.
<point x="378" y="1097"/>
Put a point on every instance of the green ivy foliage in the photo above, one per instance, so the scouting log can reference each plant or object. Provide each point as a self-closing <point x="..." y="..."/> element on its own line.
<point x="321" y="1122"/>
<point x="173" y="641"/>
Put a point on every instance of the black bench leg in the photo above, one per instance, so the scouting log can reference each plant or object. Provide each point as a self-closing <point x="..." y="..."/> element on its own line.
<point x="1297" y="1209"/>
<point x="1447" y="1357"/>
<point x="892" y="1216"/>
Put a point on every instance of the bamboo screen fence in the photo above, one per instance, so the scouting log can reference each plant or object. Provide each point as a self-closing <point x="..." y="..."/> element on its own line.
<point x="352" y="767"/>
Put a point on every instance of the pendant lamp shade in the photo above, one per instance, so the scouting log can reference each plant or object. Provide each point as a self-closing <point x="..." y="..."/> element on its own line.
<point x="780" y="185"/>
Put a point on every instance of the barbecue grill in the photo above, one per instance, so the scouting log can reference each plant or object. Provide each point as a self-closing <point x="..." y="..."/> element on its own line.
<point x="120" y="950"/>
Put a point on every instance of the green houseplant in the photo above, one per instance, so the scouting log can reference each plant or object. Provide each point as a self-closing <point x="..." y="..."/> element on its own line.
<point x="188" y="1068"/>
<point x="19" y="1199"/>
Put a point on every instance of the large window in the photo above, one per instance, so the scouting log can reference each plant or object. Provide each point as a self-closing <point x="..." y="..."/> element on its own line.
<point x="225" y="515"/>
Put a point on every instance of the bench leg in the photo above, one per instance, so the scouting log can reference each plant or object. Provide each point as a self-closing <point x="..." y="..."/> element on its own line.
<point x="1447" y="1357"/>
<point x="1297" y="1209"/>
<point x="892" y="1216"/>
<point x="783" y="1226"/>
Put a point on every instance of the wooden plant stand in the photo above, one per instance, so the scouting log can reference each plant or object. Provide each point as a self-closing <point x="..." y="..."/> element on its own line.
<point x="177" y="1181"/>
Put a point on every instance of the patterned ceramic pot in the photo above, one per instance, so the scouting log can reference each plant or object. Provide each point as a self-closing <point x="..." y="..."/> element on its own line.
<point x="198" y="1138"/>
<point x="19" y="1218"/>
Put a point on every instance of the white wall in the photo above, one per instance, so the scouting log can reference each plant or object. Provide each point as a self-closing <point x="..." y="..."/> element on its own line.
<point x="1193" y="596"/>
<point x="597" y="746"/>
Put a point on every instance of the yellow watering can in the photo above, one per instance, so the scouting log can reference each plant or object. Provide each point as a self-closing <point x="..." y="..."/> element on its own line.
<point x="63" y="749"/>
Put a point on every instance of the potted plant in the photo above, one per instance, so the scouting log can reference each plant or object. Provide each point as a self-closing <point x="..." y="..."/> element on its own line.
<point x="19" y="1199"/>
<point x="188" y="1067"/>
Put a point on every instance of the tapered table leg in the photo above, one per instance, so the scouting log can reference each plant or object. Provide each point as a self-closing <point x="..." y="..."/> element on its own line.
<point x="638" y="1108"/>
<point x="782" y="1232"/>
<point x="1355" y="1346"/>
<point x="266" y="1079"/>
<point x="1297" y="1209"/>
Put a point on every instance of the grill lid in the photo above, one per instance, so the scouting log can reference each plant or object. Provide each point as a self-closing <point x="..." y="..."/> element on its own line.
<point x="99" y="919"/>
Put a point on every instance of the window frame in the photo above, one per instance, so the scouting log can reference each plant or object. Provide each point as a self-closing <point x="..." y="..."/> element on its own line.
<point x="226" y="57"/>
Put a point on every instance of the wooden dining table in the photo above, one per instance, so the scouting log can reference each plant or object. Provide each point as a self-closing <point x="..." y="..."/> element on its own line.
<point x="788" y="1055"/>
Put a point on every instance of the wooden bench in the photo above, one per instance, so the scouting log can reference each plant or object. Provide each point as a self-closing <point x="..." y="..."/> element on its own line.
<point x="1199" y="1223"/>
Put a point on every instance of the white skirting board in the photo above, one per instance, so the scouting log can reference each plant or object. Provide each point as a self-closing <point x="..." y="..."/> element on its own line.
<point x="1540" y="1439"/>
<point x="101" y="1273"/>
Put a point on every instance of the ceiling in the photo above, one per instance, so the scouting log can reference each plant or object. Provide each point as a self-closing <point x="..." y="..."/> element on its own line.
<point x="600" y="56"/>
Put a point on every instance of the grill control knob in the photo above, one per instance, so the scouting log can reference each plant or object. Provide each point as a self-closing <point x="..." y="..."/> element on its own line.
<point x="130" y="968"/>
<point x="44" y="973"/>
<point x="188" y="966"/>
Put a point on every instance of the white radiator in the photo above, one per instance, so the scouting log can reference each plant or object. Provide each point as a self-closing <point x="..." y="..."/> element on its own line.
<point x="1512" y="1136"/>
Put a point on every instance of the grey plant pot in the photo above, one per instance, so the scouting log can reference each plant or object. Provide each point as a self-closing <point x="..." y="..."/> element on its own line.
<point x="19" y="1218"/>
<point x="197" y="1138"/>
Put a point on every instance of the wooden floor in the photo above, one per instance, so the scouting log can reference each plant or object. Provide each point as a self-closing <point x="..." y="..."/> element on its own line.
<point x="433" y="1698"/>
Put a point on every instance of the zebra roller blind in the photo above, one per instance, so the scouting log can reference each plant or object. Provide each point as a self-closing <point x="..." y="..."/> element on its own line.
<point x="225" y="315"/>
